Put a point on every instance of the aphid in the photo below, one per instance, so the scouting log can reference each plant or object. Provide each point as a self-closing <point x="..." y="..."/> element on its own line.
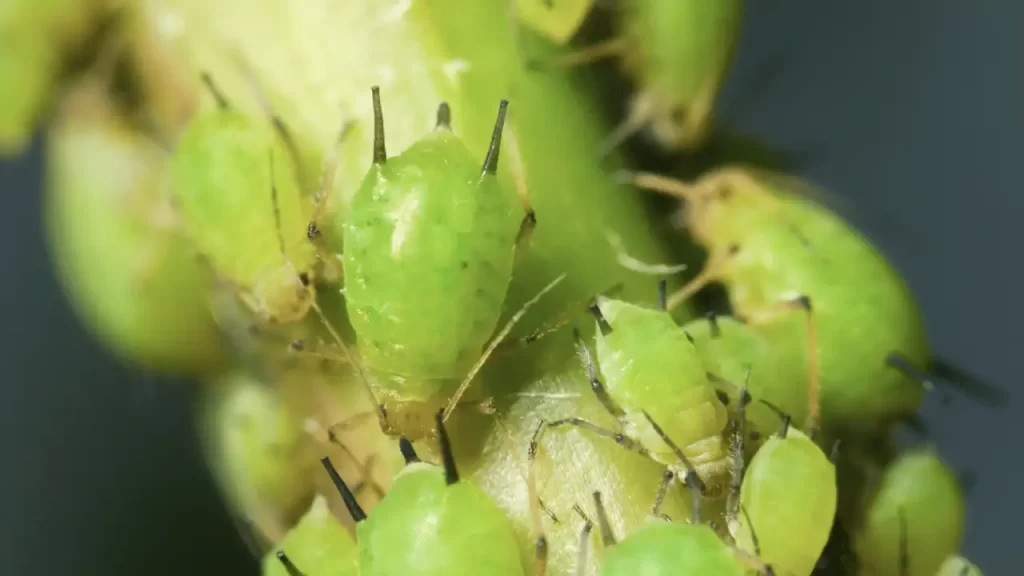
<point x="729" y="348"/>
<point x="433" y="522"/>
<point x="661" y="547"/>
<point x="913" y="519"/>
<point x="430" y="244"/>
<point x="113" y="240"/>
<point x="656" y="386"/>
<point x="778" y="253"/>
<point x="238" y="191"/>
<point x="676" y="52"/>
<point x="318" y="544"/>
<point x="788" y="497"/>
<point x="958" y="566"/>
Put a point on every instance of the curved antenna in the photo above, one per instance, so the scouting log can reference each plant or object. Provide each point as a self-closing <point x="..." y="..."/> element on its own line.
<point x="380" y="154"/>
<point x="495" y="342"/>
<point x="491" y="161"/>
<point x="347" y="496"/>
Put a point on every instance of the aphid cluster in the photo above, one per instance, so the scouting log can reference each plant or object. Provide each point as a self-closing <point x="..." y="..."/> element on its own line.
<point x="411" y="312"/>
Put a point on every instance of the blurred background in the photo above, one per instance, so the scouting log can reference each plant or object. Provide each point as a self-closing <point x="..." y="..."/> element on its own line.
<point x="908" y="112"/>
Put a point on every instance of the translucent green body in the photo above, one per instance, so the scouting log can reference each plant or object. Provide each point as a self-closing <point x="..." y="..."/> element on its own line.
<point x="787" y="247"/>
<point x="130" y="277"/>
<point x="649" y="365"/>
<point x="789" y="494"/>
<point x="318" y="544"/>
<point x="222" y="168"/>
<point x="728" y="352"/>
<point x="921" y="487"/>
<point x="958" y="566"/>
<point x="663" y="548"/>
<point x="678" y="53"/>
<point x="425" y="527"/>
<point x="429" y="248"/>
<point x="557" y="20"/>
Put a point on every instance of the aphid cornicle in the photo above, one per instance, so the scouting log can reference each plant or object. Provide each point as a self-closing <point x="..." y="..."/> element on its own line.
<point x="434" y="523"/>
<point x="237" y="188"/>
<point x="781" y="257"/>
<point x="912" y="520"/>
<point x="430" y="244"/>
<point x="318" y="544"/>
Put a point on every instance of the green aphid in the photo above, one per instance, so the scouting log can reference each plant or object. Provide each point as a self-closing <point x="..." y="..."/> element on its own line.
<point x="131" y="278"/>
<point x="912" y="520"/>
<point x="430" y="243"/>
<point x="37" y="38"/>
<point x="661" y="547"/>
<point x="676" y="52"/>
<point x="260" y="451"/>
<point x="788" y="497"/>
<point x="813" y="287"/>
<point x="238" y="192"/>
<point x="319" y="544"/>
<point x="958" y="566"/>
<point x="729" y="347"/>
<point x="432" y="522"/>
<point x="655" y="384"/>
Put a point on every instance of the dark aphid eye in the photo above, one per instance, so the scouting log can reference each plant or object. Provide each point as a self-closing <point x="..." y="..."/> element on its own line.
<point x="346" y="494"/>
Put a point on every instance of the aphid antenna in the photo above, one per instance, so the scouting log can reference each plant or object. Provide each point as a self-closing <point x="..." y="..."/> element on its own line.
<point x="963" y="381"/>
<point x="630" y="262"/>
<point x="755" y="562"/>
<point x="566" y="318"/>
<point x="738" y="456"/>
<point x="218" y="96"/>
<point x="327" y="174"/>
<point x="495" y="342"/>
<point x="607" y="536"/>
<point x="314" y="428"/>
<point x="541" y="542"/>
<point x="639" y="114"/>
<point x="289" y="566"/>
<point x="347" y="496"/>
<point x="490" y="166"/>
<point x="408" y="452"/>
<point x="595" y="382"/>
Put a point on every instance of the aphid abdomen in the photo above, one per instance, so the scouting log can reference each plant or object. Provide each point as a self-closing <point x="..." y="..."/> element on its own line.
<point x="862" y="310"/>
<point x="670" y="548"/>
<point x="222" y="171"/>
<point x="650" y="366"/>
<point x="789" y="495"/>
<point x="428" y="256"/>
<point x="424" y="527"/>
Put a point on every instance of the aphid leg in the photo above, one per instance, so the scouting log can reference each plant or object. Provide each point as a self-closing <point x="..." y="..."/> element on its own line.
<point x="607" y="536"/>
<point x="666" y="481"/>
<point x="746" y="558"/>
<point x="717" y="262"/>
<point x="289" y="566"/>
<point x="692" y="480"/>
<point x="564" y="319"/>
<point x="619" y="438"/>
<point x="358" y="515"/>
<point x="772" y="314"/>
<point x="322" y="199"/>
<point x="495" y="342"/>
<point x="329" y="436"/>
<point x="518" y="169"/>
<point x="541" y="543"/>
<point x="599" y="51"/>
<point x="639" y="115"/>
<point x="582" y="558"/>
<point x="595" y="383"/>
<point x="218" y="96"/>
<point x="738" y="456"/>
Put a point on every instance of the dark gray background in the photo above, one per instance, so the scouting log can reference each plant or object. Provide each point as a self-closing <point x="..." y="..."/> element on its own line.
<point x="911" y="111"/>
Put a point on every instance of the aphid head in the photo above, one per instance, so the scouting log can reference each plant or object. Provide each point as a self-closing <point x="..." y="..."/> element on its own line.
<point x="284" y="295"/>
